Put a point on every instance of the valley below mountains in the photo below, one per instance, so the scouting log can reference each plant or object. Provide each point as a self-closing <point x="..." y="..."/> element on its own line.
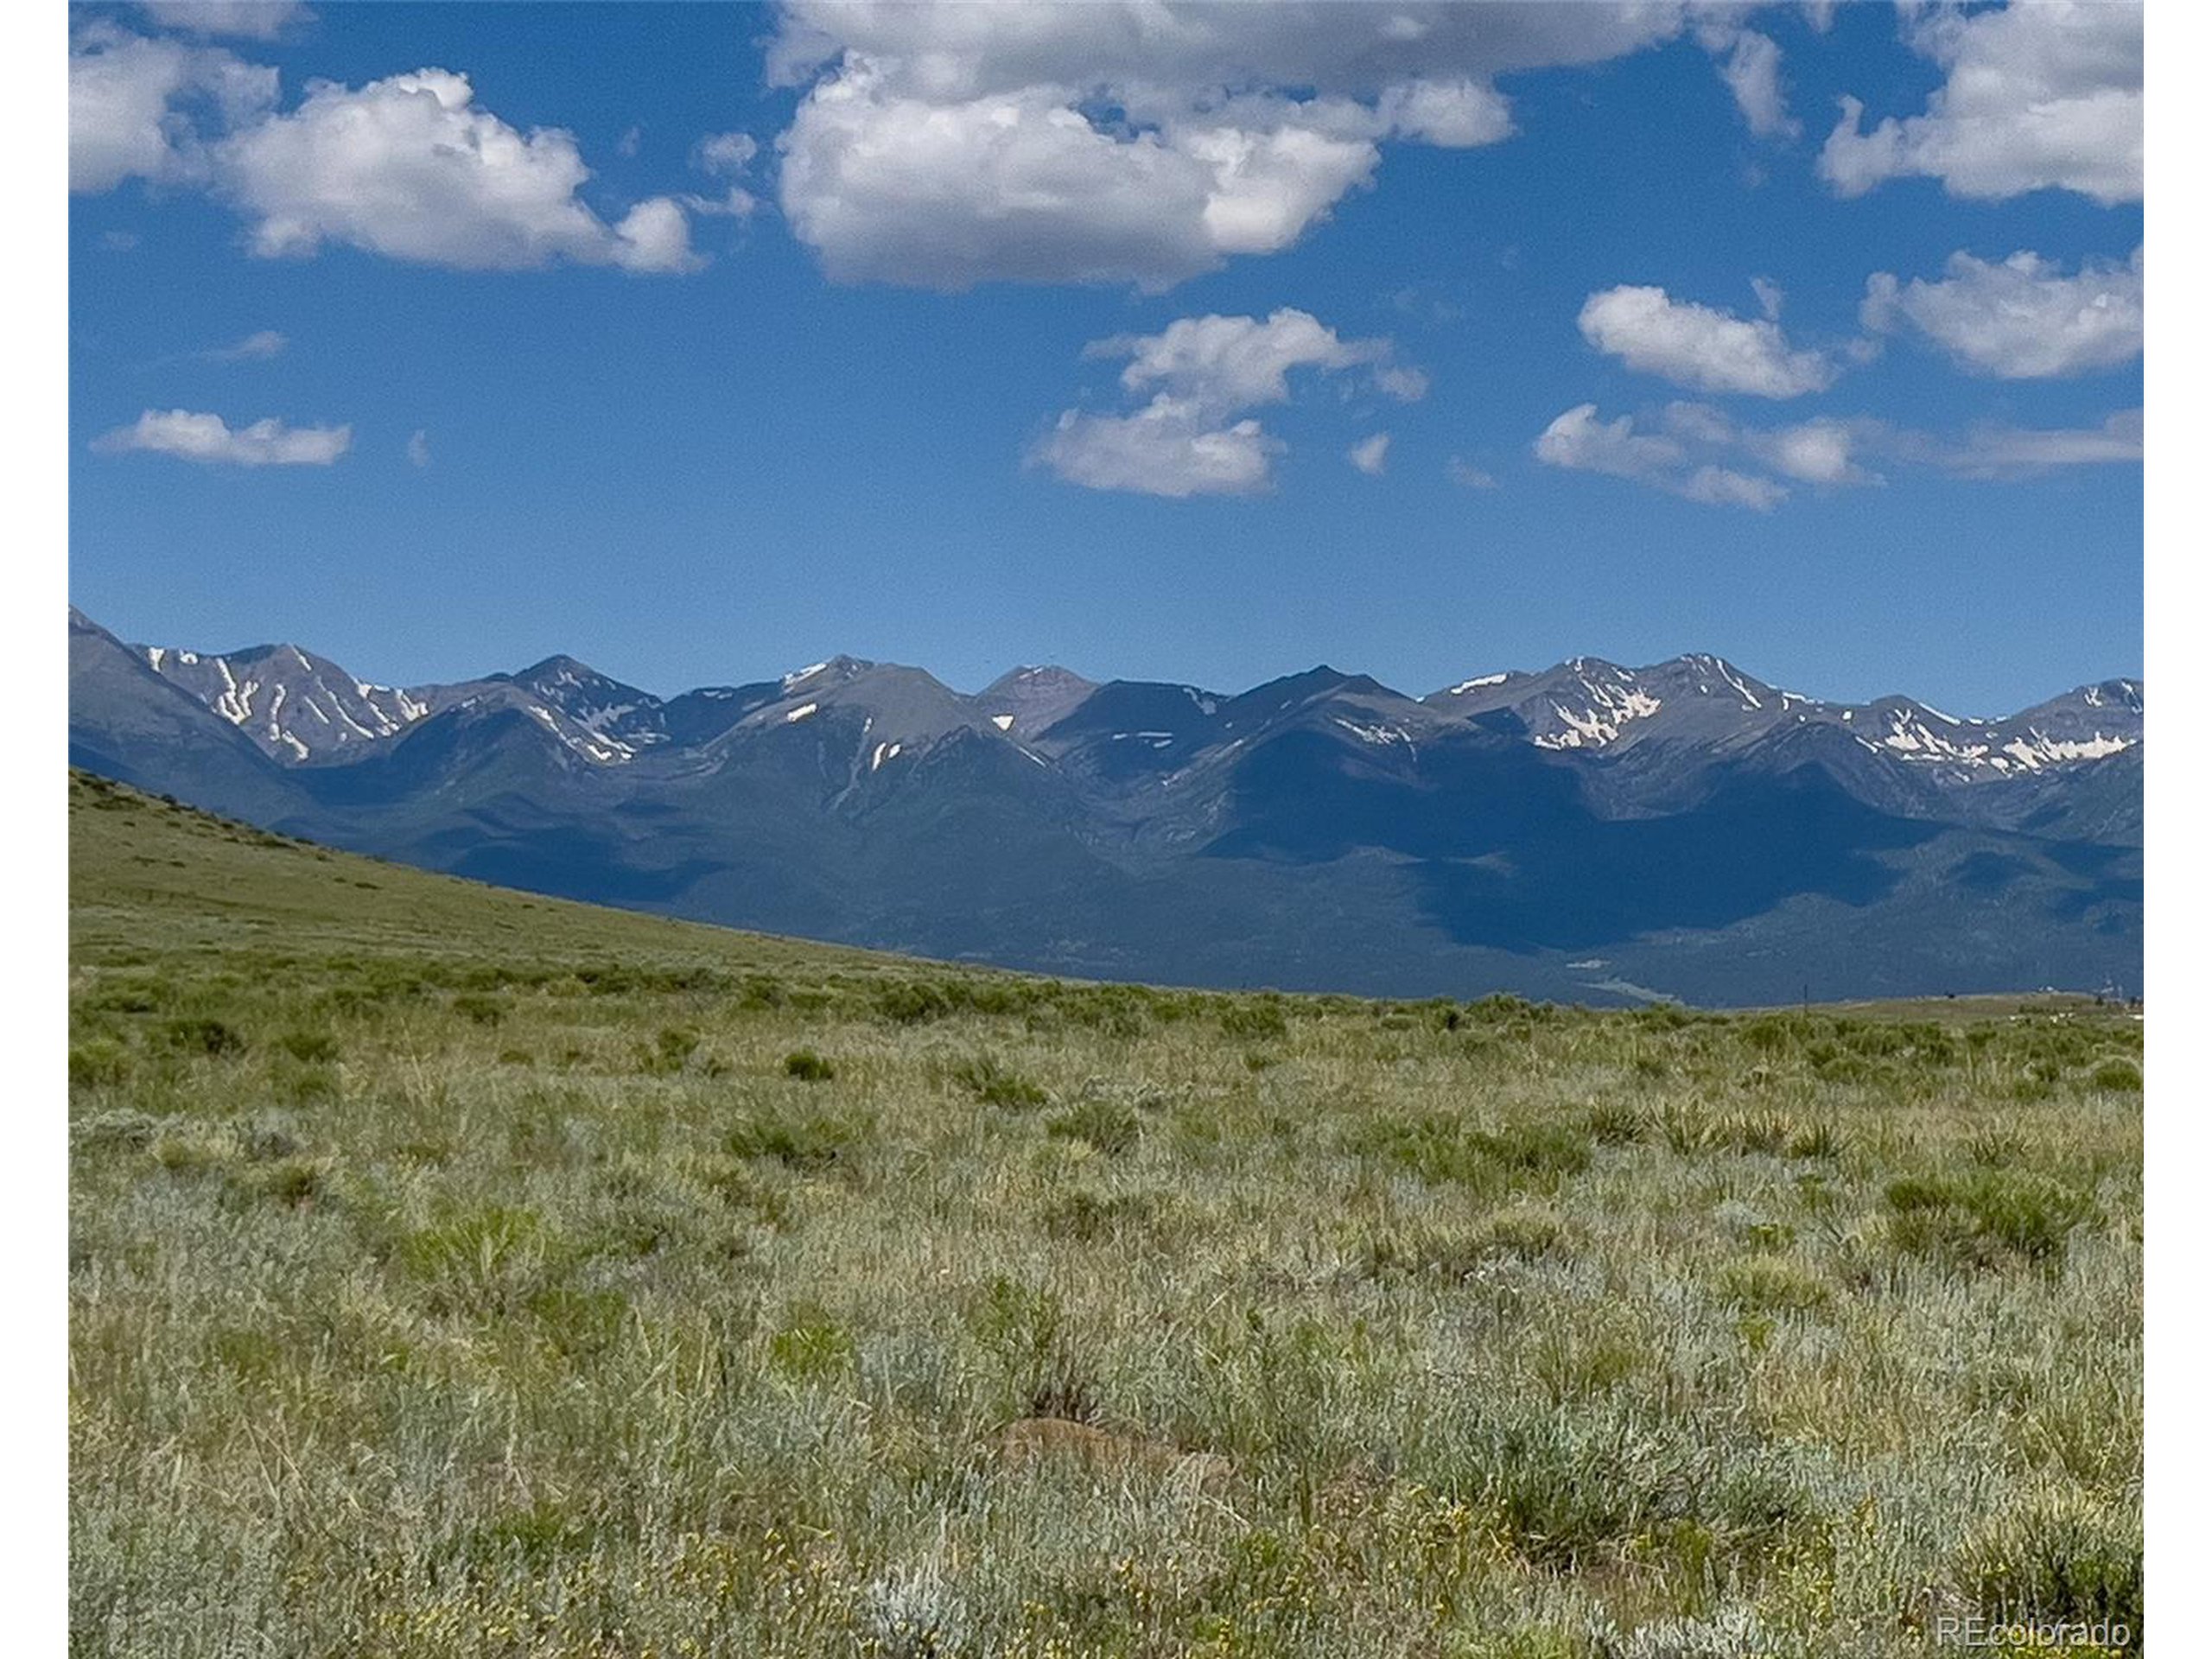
<point x="1587" y="833"/>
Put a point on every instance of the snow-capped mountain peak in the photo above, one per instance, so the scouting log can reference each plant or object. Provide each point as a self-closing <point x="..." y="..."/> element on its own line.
<point x="296" y="706"/>
<point x="1589" y="705"/>
<point x="301" y="708"/>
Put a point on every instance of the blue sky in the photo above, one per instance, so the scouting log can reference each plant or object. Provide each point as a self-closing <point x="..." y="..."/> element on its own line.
<point x="871" y="410"/>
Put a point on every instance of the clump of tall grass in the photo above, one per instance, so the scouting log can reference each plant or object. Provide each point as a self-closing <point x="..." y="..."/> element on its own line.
<point x="1109" y="1125"/>
<point x="1982" y="1216"/>
<point x="995" y="1083"/>
<point x="2058" y="1556"/>
<point x="808" y="1066"/>
<point x="801" y="1138"/>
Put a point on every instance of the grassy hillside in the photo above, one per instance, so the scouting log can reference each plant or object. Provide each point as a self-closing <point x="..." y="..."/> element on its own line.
<point x="458" y="1272"/>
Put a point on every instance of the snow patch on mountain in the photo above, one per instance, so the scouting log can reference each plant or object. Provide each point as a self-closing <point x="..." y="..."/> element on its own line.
<point x="2036" y="750"/>
<point x="1600" y="721"/>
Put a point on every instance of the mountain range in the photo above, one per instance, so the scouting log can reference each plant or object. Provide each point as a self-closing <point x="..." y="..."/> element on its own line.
<point x="1588" y="832"/>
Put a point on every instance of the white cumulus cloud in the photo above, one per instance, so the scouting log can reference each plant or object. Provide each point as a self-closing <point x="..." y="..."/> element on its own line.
<point x="211" y="440"/>
<point x="1699" y="347"/>
<point x="1370" y="455"/>
<point x="726" y="155"/>
<point x="260" y="19"/>
<point x="2046" y="94"/>
<point x="1194" y="436"/>
<point x="1165" y="449"/>
<point x="1822" y="451"/>
<point x="1018" y="186"/>
<point x="1224" y="363"/>
<point x="410" y="167"/>
<point x="2020" y="319"/>
<point x="137" y="106"/>
<point x="1686" y="450"/>
<point x="1144" y="142"/>
<point x="1750" y="67"/>
<point x="1580" y="440"/>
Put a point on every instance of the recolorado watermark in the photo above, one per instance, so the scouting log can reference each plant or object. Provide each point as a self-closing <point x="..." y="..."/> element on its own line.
<point x="2010" y="1635"/>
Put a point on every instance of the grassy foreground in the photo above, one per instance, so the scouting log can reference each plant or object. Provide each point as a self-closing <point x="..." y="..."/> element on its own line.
<point x="454" y="1272"/>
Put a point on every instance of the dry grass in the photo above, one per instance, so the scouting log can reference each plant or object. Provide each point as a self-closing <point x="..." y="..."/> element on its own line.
<point x="458" y="1272"/>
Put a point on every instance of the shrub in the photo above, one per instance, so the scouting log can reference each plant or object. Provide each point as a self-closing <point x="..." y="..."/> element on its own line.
<point x="760" y="992"/>
<point x="189" y="1154"/>
<point x="476" y="1007"/>
<point x="265" y="1140"/>
<point x="126" y="1130"/>
<point x="993" y="1084"/>
<point x="670" y="1052"/>
<point x="2060" y="1556"/>
<point x="309" y="1048"/>
<point x="97" y="1063"/>
<point x="1771" y="1284"/>
<point x="755" y="1196"/>
<point x="1525" y="1231"/>
<point x="912" y="1001"/>
<point x="480" y="1240"/>
<point x="200" y="1036"/>
<point x="1996" y="1147"/>
<point x="482" y="1263"/>
<point x="294" y="1183"/>
<point x="1821" y="1139"/>
<point x="1833" y="1063"/>
<point x="303" y="1085"/>
<point x="1614" y="1122"/>
<point x="811" y="1141"/>
<point x="1087" y="1216"/>
<point x="252" y="1354"/>
<point x="1542" y="1149"/>
<point x="1025" y="1329"/>
<point x="1567" y="1483"/>
<point x="1984" y="1214"/>
<point x="123" y="999"/>
<point x="1687" y="1129"/>
<point x="808" y="1066"/>
<point x="578" y="1324"/>
<point x="533" y="1536"/>
<point x="1770" y="1033"/>
<point x="1109" y="1125"/>
<point x="1583" y="1359"/>
<point x="2121" y="1077"/>
<point x="1116" y="1010"/>
<point x="1500" y="1008"/>
<point x="1441" y="1147"/>
<point x="1767" y="1132"/>
<point x="1254" y="1020"/>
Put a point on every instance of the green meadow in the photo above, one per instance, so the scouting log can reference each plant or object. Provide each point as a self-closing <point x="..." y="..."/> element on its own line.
<point x="458" y="1272"/>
